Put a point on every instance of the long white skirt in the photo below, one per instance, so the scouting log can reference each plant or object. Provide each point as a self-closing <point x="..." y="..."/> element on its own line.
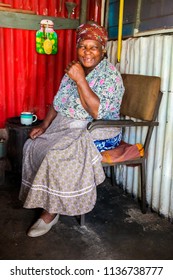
<point x="61" y="169"/>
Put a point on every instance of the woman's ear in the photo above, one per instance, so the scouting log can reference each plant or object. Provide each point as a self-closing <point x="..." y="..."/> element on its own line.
<point x="103" y="52"/>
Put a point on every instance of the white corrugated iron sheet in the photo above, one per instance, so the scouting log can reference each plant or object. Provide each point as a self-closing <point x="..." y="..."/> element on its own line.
<point x="151" y="55"/>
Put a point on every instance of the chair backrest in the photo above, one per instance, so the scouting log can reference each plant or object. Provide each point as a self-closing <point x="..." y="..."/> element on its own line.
<point x="141" y="97"/>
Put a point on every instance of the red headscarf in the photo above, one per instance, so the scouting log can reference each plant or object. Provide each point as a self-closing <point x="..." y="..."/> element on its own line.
<point x="92" y="31"/>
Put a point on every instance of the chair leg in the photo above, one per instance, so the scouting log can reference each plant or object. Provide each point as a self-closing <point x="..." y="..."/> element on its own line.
<point x="112" y="176"/>
<point x="143" y="188"/>
<point x="82" y="220"/>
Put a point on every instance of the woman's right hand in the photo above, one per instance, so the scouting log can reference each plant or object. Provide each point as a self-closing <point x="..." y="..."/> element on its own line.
<point x="40" y="129"/>
<point x="37" y="131"/>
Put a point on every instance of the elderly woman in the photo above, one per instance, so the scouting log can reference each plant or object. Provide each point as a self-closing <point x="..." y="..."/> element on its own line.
<point x="62" y="160"/>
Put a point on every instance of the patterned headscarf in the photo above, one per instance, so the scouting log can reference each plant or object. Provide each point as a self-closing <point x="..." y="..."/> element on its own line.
<point x="92" y="31"/>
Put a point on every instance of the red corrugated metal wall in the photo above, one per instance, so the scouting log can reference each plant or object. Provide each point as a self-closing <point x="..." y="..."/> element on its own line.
<point x="28" y="81"/>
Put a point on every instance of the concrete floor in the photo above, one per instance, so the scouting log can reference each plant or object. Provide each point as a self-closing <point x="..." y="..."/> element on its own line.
<point x="115" y="230"/>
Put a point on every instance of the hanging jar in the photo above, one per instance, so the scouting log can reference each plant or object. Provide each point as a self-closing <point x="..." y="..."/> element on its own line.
<point x="46" y="38"/>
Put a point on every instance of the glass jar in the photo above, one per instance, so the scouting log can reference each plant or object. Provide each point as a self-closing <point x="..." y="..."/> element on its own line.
<point x="46" y="38"/>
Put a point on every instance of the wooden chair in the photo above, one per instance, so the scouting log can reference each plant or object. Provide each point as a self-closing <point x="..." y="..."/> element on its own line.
<point x="140" y="102"/>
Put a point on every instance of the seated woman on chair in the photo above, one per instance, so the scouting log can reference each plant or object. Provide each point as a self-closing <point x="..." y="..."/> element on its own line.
<point x="62" y="160"/>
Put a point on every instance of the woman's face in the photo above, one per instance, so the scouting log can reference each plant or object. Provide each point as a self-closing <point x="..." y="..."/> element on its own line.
<point x="90" y="53"/>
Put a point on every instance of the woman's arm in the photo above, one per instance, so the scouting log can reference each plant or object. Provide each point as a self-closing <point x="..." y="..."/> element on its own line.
<point x="40" y="129"/>
<point x="89" y="100"/>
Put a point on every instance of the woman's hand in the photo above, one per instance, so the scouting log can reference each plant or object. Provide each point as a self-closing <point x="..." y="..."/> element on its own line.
<point x="75" y="71"/>
<point x="40" y="129"/>
<point x="37" y="131"/>
<point x="88" y="98"/>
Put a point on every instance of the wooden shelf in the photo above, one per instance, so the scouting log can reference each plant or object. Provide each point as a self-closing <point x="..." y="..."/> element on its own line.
<point x="32" y="22"/>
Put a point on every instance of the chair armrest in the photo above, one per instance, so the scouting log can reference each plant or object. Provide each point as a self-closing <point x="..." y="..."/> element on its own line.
<point x="119" y="123"/>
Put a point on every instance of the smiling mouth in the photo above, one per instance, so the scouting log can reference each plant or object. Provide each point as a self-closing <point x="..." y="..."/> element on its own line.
<point x="87" y="60"/>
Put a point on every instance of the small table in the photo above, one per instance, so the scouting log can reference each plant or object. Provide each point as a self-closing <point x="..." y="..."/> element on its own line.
<point x="17" y="135"/>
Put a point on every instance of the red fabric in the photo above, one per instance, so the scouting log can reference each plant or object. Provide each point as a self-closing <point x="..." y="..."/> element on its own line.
<point x="123" y="152"/>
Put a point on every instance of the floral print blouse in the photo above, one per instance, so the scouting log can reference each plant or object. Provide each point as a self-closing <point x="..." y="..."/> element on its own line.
<point x="105" y="80"/>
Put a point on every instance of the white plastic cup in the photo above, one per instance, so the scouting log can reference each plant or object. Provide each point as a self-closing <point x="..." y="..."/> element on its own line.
<point x="27" y="118"/>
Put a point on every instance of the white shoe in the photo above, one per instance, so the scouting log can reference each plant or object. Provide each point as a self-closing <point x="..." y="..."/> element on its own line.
<point x="41" y="228"/>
